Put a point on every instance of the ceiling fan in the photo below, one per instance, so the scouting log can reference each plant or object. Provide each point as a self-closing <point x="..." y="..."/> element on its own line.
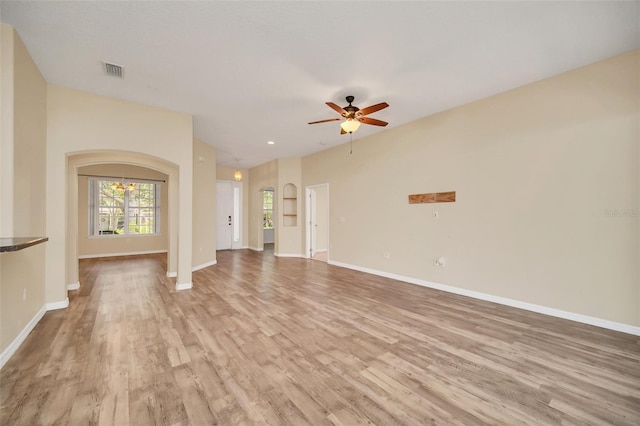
<point x="353" y="116"/>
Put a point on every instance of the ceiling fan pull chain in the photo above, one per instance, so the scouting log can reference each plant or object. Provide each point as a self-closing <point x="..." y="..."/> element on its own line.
<point x="350" y="143"/>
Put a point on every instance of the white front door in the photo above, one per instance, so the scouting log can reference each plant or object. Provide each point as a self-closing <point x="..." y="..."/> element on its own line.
<point x="229" y="215"/>
<point x="224" y="210"/>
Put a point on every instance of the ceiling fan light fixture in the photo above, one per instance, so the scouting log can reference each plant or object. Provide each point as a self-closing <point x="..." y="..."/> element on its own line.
<point x="350" y="125"/>
<point x="354" y="116"/>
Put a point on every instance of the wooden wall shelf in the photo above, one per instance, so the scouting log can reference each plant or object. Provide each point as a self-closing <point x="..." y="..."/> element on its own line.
<point x="433" y="197"/>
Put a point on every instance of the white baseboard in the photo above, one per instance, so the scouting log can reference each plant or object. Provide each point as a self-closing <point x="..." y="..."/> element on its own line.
<point x="204" y="265"/>
<point x="256" y="248"/>
<point x="57" y="305"/>
<point x="321" y="251"/>
<point x="171" y="274"/>
<point x="183" y="286"/>
<point x="15" y="344"/>
<point x="74" y="286"/>
<point x="131" y="253"/>
<point x="585" y="319"/>
<point x="288" y="255"/>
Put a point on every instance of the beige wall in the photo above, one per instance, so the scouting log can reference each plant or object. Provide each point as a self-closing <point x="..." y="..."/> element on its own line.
<point x="89" y="246"/>
<point x="7" y="38"/>
<point x="289" y="238"/>
<point x="226" y="173"/>
<point x="23" y="170"/>
<point x="79" y="123"/>
<point x="276" y="174"/>
<point x="262" y="177"/>
<point x="204" y="204"/>
<point x="536" y="170"/>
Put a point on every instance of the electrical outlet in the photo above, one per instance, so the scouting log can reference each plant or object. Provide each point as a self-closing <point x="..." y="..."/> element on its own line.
<point x="24" y="294"/>
<point x="387" y="255"/>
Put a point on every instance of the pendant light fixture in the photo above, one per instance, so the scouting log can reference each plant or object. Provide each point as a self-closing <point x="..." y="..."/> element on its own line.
<point x="120" y="185"/>
<point x="237" y="175"/>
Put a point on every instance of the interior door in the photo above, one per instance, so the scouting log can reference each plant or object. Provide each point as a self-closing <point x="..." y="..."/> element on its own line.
<point x="313" y="222"/>
<point x="224" y="217"/>
<point x="317" y="222"/>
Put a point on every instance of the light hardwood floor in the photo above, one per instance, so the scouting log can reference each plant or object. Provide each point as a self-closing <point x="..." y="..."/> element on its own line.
<point x="267" y="340"/>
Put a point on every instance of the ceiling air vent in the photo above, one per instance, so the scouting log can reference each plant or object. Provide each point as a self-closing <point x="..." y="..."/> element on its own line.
<point x="113" y="70"/>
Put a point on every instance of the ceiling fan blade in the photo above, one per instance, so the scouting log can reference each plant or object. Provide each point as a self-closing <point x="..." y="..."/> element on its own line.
<point x="337" y="108"/>
<point x="373" y="108"/>
<point x="325" y="121"/>
<point x="367" y="120"/>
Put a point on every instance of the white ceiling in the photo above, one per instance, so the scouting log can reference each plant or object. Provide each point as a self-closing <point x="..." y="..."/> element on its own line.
<point x="256" y="71"/>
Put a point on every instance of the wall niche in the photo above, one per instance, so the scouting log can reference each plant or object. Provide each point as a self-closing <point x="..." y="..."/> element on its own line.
<point x="290" y="205"/>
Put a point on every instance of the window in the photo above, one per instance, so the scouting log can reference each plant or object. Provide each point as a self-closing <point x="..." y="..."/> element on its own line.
<point x="123" y="207"/>
<point x="267" y="207"/>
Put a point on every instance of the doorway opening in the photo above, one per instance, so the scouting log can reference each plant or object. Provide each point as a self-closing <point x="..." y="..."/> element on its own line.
<point x="268" y="222"/>
<point x="229" y="215"/>
<point x="317" y="222"/>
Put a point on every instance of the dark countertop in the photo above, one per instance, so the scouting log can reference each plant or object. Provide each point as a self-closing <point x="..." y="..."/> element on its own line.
<point x="19" y="243"/>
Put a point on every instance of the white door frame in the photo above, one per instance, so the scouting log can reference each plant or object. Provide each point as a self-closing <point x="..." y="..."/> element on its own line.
<point x="313" y="222"/>
<point x="308" y="226"/>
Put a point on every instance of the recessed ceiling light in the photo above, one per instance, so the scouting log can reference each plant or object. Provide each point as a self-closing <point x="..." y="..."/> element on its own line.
<point x="271" y="142"/>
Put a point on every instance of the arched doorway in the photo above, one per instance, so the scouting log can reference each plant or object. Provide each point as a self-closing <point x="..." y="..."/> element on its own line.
<point x="120" y="158"/>
<point x="269" y="221"/>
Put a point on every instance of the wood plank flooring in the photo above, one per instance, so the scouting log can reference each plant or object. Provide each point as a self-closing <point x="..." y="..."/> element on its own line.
<point x="264" y="340"/>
